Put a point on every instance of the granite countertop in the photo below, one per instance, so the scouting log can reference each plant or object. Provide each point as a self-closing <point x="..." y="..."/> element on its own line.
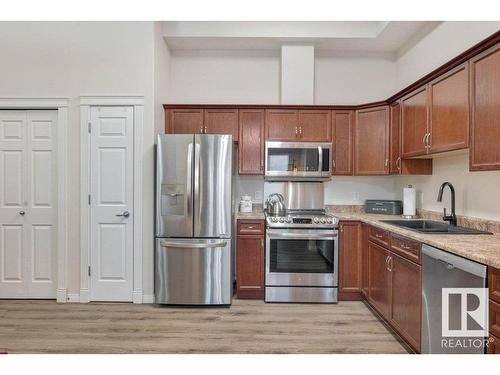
<point x="256" y="214"/>
<point x="482" y="248"/>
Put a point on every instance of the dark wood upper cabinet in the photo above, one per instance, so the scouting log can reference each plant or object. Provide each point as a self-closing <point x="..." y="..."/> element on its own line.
<point x="315" y="126"/>
<point x="379" y="289"/>
<point x="395" y="138"/>
<point x="414" y="118"/>
<point x="342" y="132"/>
<point x="251" y="141"/>
<point x="371" y="141"/>
<point x="282" y="125"/>
<point x="449" y="111"/>
<point x="184" y="121"/>
<point x="406" y="299"/>
<point x="250" y="259"/>
<point x="222" y="121"/>
<point x="485" y="108"/>
<point x="350" y="245"/>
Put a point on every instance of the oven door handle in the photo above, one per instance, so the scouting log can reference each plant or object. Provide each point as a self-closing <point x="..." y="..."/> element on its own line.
<point x="329" y="236"/>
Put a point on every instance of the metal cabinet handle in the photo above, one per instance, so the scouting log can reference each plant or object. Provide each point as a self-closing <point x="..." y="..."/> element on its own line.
<point x="201" y="130"/>
<point x="296" y="131"/>
<point x="300" y="131"/>
<point x="389" y="264"/>
<point x="386" y="164"/>
<point x="21" y="213"/>
<point x="423" y="140"/>
<point x="398" y="163"/>
<point x="124" y="214"/>
<point x="429" y="140"/>
<point x="386" y="262"/>
<point x="378" y="235"/>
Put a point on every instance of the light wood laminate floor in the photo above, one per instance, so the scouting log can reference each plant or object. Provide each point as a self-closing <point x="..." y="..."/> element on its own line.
<point x="245" y="327"/>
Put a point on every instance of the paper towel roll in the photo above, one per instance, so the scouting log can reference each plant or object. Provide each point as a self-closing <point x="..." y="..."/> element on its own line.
<point x="409" y="201"/>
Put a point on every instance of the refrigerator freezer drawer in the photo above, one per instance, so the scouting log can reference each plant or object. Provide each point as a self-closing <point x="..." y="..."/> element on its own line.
<point x="193" y="271"/>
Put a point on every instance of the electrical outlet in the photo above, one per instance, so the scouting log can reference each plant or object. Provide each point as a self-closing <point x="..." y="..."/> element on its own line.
<point x="257" y="196"/>
<point x="355" y="195"/>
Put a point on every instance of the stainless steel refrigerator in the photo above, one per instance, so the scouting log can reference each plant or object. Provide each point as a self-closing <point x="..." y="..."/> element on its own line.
<point x="193" y="263"/>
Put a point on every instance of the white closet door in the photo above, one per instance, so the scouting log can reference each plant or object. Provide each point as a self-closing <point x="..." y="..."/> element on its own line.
<point x="111" y="188"/>
<point x="28" y="204"/>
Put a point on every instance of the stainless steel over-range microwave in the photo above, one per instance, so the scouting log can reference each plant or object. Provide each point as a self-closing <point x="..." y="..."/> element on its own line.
<point x="298" y="161"/>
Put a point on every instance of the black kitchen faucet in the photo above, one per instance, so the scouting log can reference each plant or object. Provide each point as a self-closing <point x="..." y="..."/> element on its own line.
<point x="451" y="218"/>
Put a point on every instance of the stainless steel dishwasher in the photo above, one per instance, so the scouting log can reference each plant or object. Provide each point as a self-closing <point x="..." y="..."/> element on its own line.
<point x="444" y="270"/>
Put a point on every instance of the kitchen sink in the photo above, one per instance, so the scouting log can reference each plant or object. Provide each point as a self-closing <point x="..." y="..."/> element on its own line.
<point x="433" y="227"/>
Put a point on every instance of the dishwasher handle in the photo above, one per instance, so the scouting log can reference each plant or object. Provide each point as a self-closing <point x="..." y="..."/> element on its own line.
<point x="452" y="261"/>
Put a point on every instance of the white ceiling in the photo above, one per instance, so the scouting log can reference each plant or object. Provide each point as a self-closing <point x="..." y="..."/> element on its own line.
<point x="369" y="36"/>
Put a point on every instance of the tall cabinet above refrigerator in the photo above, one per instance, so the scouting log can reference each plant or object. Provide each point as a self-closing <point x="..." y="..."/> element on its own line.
<point x="193" y="220"/>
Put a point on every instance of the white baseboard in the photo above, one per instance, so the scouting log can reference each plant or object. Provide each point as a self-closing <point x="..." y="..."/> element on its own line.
<point x="148" y="298"/>
<point x="84" y="295"/>
<point x="137" y="296"/>
<point x="62" y="295"/>
<point x="73" y="298"/>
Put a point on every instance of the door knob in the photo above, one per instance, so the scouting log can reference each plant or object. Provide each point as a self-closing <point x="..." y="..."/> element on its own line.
<point x="124" y="214"/>
<point x="21" y="213"/>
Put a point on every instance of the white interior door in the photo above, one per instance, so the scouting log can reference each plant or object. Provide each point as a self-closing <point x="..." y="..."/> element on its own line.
<point x="111" y="204"/>
<point x="28" y="204"/>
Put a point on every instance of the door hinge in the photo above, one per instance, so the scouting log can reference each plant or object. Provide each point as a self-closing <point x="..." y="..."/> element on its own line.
<point x="90" y="127"/>
<point x="89" y="271"/>
<point x="90" y="199"/>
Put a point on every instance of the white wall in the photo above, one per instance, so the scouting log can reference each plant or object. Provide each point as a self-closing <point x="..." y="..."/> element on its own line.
<point x="353" y="78"/>
<point x="239" y="76"/>
<point x="297" y="74"/>
<point x="70" y="59"/>
<point x="477" y="192"/>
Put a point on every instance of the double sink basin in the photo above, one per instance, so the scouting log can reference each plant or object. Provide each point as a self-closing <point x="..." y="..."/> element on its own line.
<point x="433" y="227"/>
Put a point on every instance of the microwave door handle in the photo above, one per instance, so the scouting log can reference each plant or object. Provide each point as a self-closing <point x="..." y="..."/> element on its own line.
<point x="320" y="161"/>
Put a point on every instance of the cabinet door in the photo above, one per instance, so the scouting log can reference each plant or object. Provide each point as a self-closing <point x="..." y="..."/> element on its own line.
<point x="379" y="289"/>
<point x="342" y="129"/>
<point x="315" y="125"/>
<point x="250" y="267"/>
<point x="406" y="299"/>
<point x="251" y="141"/>
<point x="395" y="139"/>
<point x="371" y="141"/>
<point x="222" y="121"/>
<point x="282" y="125"/>
<point x="414" y="120"/>
<point x="365" y="276"/>
<point x="449" y="111"/>
<point x="485" y="119"/>
<point x="350" y="257"/>
<point x="184" y="121"/>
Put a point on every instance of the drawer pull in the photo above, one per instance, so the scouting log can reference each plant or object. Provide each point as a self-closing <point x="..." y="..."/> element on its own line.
<point x="250" y="227"/>
<point x="379" y="236"/>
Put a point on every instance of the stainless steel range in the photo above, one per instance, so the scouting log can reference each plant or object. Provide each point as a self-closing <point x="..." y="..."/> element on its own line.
<point x="301" y="254"/>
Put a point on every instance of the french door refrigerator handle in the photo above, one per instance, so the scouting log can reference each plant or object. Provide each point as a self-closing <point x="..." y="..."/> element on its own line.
<point x="194" y="245"/>
<point x="189" y="186"/>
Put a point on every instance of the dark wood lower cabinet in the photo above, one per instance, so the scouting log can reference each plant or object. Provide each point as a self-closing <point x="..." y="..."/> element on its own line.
<point x="350" y="243"/>
<point x="394" y="285"/>
<point x="406" y="299"/>
<point x="379" y="285"/>
<point x="494" y="345"/>
<point x="250" y="260"/>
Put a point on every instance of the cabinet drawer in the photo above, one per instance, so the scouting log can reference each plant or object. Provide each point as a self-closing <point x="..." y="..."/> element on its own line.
<point x="379" y="236"/>
<point x="250" y="226"/>
<point x="410" y="249"/>
<point x="494" y="345"/>
<point x="494" y="283"/>
<point x="494" y="318"/>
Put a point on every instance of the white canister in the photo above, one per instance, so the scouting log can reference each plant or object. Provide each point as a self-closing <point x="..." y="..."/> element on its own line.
<point x="246" y="203"/>
<point x="409" y="202"/>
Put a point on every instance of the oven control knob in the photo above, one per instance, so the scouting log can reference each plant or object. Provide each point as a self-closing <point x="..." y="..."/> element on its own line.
<point x="329" y="220"/>
<point x="323" y="221"/>
<point x="274" y="219"/>
<point x="289" y="220"/>
<point x="282" y="219"/>
<point x="316" y="220"/>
